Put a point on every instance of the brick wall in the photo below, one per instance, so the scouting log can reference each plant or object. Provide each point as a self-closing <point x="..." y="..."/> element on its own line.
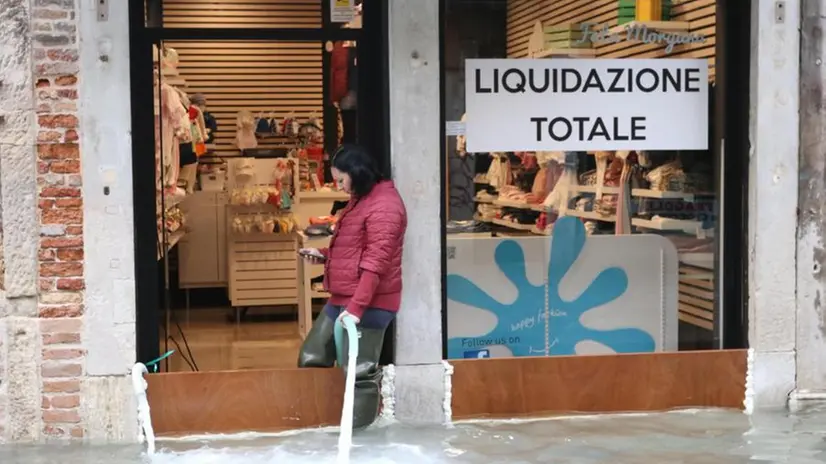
<point x="60" y="306"/>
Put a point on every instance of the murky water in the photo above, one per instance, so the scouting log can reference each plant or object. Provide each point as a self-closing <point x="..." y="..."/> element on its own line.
<point x="706" y="436"/>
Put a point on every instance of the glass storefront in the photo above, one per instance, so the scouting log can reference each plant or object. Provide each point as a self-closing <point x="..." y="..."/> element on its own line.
<point x="583" y="179"/>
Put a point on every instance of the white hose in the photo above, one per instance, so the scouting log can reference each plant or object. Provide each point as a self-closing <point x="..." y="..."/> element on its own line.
<point x="139" y="386"/>
<point x="345" y="437"/>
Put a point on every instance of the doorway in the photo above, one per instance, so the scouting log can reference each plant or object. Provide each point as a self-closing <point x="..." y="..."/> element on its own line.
<point x="271" y="87"/>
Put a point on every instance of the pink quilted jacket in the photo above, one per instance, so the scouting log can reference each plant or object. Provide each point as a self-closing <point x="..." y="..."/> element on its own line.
<point x="369" y="237"/>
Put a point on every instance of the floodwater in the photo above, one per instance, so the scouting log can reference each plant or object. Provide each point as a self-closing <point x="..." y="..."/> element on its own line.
<point x="694" y="436"/>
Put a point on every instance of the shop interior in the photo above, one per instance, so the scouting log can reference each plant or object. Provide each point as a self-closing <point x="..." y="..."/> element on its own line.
<point x="676" y="194"/>
<point x="244" y="123"/>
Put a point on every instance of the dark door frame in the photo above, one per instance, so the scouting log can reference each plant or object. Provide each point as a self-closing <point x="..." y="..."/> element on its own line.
<point x="731" y="142"/>
<point x="145" y="29"/>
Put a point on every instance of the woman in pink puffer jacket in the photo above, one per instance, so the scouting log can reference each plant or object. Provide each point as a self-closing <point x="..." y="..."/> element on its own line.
<point x="362" y="272"/>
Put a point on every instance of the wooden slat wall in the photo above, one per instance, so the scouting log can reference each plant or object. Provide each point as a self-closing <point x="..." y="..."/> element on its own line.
<point x="273" y="77"/>
<point x="522" y="14"/>
<point x="242" y="14"/>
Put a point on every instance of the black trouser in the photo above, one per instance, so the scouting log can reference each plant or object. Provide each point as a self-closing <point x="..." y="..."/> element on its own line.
<point x="319" y="350"/>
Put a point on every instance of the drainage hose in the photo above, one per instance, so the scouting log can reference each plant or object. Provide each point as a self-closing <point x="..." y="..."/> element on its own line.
<point x="144" y="417"/>
<point x="345" y="438"/>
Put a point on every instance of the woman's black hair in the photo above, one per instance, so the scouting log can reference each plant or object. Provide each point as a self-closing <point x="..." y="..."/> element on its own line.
<point x="354" y="161"/>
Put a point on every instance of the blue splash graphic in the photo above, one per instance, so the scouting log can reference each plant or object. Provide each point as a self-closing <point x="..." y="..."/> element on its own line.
<point x="521" y="324"/>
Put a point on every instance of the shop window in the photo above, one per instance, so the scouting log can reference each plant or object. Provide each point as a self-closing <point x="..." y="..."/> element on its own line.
<point x="582" y="211"/>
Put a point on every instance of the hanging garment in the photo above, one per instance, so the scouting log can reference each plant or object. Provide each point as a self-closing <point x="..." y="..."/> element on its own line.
<point x="211" y="126"/>
<point x="607" y="205"/>
<point x="540" y="182"/>
<point x="554" y="170"/>
<point x="338" y="72"/>
<point x="602" y="158"/>
<point x="245" y="131"/>
<point x="623" y="224"/>
<point x="262" y="125"/>
<point x="173" y="133"/>
<point x="350" y="101"/>
<point x="339" y="126"/>
<point x="494" y="174"/>
<point x="557" y="201"/>
<point x="200" y="131"/>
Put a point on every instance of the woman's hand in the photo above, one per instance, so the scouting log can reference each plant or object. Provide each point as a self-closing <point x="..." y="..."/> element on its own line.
<point x="346" y="314"/>
<point x="312" y="255"/>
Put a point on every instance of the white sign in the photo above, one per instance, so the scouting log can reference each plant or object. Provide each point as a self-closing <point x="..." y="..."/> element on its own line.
<point x="586" y="104"/>
<point x="342" y="11"/>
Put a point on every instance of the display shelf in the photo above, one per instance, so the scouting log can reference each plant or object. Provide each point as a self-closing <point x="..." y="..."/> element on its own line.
<point x="513" y="225"/>
<point x="539" y="207"/>
<point x="646" y="193"/>
<point x="659" y="26"/>
<point x="322" y="195"/>
<point x="512" y="204"/>
<point x="537" y="231"/>
<point x="687" y="226"/>
<point x="488" y="201"/>
<point x="590" y="215"/>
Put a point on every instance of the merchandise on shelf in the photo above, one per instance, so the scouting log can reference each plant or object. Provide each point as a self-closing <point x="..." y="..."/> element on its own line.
<point x="615" y="192"/>
<point x="267" y="223"/>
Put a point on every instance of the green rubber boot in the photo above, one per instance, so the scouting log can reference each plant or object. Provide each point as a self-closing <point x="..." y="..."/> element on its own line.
<point x="367" y="397"/>
<point x="319" y="348"/>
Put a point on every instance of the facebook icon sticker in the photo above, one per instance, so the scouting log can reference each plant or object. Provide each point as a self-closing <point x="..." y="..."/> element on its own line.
<point x="477" y="354"/>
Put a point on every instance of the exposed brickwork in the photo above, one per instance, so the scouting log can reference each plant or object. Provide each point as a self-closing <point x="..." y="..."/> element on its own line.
<point x="55" y="48"/>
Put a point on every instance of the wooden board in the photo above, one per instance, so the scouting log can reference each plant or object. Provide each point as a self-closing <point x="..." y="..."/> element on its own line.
<point x="236" y="401"/>
<point x="523" y="14"/>
<point x="526" y="387"/>
<point x="282" y="399"/>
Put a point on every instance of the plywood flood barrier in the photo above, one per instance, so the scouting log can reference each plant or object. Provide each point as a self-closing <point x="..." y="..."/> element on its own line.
<point x="283" y="399"/>
<point x="536" y="387"/>
<point x="267" y="400"/>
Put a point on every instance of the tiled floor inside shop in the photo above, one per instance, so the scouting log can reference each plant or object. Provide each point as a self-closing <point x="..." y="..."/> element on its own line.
<point x="265" y="339"/>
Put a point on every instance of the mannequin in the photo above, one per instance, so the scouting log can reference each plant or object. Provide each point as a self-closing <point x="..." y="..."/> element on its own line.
<point x="245" y="131"/>
<point x="170" y="60"/>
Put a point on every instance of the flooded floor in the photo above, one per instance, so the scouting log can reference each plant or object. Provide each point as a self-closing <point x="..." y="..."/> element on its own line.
<point x="699" y="436"/>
